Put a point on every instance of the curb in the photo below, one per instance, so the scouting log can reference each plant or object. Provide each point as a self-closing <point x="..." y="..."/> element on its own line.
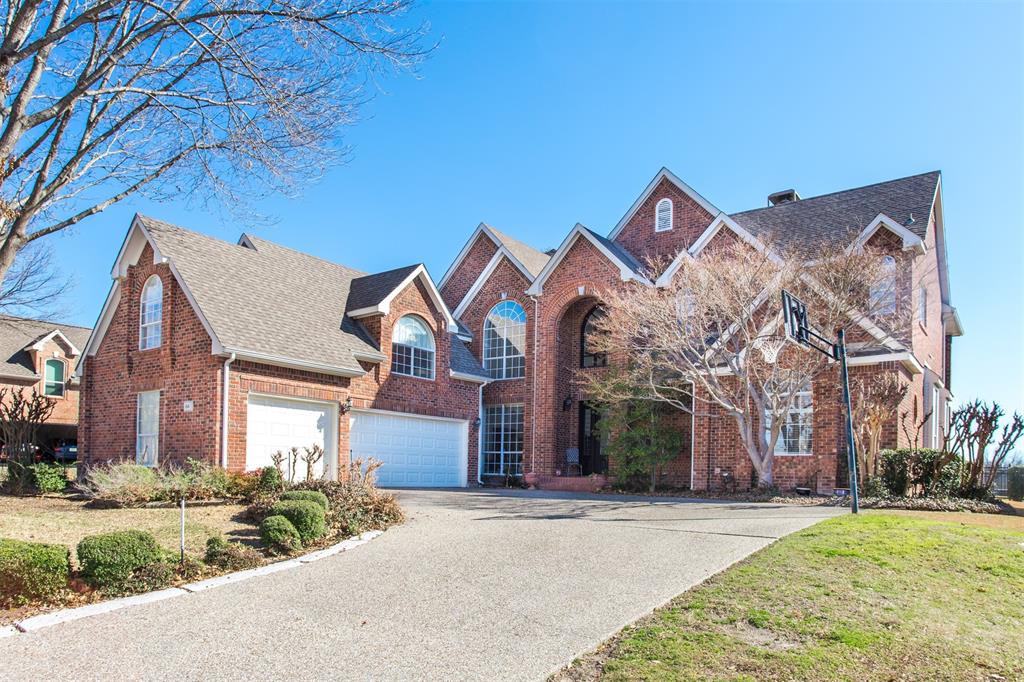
<point x="46" y="620"/>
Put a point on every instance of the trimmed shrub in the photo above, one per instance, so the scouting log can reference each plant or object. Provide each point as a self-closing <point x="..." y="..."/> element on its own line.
<point x="279" y="535"/>
<point x="307" y="517"/>
<point x="48" y="478"/>
<point x="31" y="571"/>
<point x="905" y="471"/>
<point x="1015" y="483"/>
<point x="231" y="556"/>
<point x="356" y="506"/>
<point x="108" y="561"/>
<point x="271" y="482"/>
<point x="308" y="495"/>
<point x="122" y="484"/>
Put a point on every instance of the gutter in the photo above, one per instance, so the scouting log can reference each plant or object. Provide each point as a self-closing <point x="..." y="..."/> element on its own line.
<point x="224" y="413"/>
<point x="533" y="407"/>
<point x="480" y="438"/>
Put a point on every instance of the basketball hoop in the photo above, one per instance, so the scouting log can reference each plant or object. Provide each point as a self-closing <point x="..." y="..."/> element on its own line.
<point x="770" y="346"/>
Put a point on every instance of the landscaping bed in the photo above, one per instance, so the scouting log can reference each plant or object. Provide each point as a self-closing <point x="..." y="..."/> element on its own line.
<point x="877" y="596"/>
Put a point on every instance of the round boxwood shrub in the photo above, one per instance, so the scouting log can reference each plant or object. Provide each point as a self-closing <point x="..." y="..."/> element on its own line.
<point x="307" y="517"/>
<point x="107" y="561"/>
<point x="308" y="495"/>
<point x="279" y="535"/>
<point x="31" y="571"/>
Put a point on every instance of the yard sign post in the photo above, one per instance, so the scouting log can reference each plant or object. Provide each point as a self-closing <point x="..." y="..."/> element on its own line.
<point x="794" y="314"/>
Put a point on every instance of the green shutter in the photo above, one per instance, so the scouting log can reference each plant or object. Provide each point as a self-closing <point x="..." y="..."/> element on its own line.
<point x="54" y="378"/>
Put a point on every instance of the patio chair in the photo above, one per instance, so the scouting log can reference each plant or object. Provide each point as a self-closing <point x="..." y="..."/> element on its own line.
<point x="572" y="459"/>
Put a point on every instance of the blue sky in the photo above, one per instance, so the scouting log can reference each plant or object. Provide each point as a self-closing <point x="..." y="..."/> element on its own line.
<point x="535" y="116"/>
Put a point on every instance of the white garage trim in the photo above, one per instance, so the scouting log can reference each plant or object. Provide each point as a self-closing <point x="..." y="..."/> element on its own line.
<point x="330" y="461"/>
<point x="463" y="452"/>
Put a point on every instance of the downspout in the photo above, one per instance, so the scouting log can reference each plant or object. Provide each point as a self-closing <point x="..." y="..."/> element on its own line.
<point x="533" y="407"/>
<point x="480" y="437"/>
<point x="224" y="413"/>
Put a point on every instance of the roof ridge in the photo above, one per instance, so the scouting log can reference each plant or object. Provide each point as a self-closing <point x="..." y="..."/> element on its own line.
<point x="358" y="273"/>
<point x="42" y="321"/>
<point x="839" y="191"/>
<point x="515" y="239"/>
<point x="412" y="266"/>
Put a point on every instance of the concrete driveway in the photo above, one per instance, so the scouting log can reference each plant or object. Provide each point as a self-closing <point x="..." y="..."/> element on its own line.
<point x="477" y="585"/>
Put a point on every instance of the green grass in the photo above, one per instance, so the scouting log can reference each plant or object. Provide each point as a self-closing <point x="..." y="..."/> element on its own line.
<point x="868" y="597"/>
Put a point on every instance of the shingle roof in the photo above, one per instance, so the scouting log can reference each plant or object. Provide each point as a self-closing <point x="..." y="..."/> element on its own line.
<point x="842" y="215"/>
<point x="18" y="333"/>
<point x="620" y="252"/>
<point x="269" y="299"/>
<point x="370" y="290"/>
<point x="532" y="259"/>
<point x="463" y="361"/>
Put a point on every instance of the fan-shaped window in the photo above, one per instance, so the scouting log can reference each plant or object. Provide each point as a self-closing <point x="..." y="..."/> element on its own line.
<point x="412" y="348"/>
<point x="505" y="341"/>
<point x="883" y="294"/>
<point x="53" y="378"/>
<point x="151" y="308"/>
<point x="663" y="216"/>
<point x="589" y="357"/>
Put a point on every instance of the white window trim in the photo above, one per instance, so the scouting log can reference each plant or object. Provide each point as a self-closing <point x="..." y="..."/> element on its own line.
<point x="138" y="429"/>
<point x="503" y="376"/>
<point x="143" y="325"/>
<point x="432" y="349"/>
<point x="657" y="214"/>
<point x="883" y="296"/>
<point x="64" y="378"/>
<point x="936" y="414"/>
<point x="809" y="410"/>
<point x="501" y="451"/>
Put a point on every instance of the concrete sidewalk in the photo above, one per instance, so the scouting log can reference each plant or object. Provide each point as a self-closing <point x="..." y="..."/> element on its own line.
<point x="476" y="585"/>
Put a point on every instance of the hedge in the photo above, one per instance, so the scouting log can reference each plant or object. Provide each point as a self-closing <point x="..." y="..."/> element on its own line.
<point x="279" y="535"/>
<point x="108" y="561"/>
<point x="31" y="571"/>
<point x="307" y="517"/>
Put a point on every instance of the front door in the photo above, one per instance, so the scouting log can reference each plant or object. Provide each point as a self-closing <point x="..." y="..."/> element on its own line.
<point x="592" y="460"/>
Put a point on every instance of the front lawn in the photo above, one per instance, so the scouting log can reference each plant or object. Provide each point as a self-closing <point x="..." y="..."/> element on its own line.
<point x="879" y="596"/>
<point x="59" y="520"/>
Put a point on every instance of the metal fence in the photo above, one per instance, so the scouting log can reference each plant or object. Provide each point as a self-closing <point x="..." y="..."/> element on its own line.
<point x="1001" y="481"/>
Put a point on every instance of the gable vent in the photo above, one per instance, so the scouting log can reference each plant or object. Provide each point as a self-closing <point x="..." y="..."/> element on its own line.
<point x="663" y="216"/>
<point x="783" y="197"/>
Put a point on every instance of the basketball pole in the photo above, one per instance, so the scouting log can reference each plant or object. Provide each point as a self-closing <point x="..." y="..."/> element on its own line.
<point x="851" y="446"/>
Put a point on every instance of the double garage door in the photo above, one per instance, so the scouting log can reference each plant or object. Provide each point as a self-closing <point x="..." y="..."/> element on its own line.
<point x="415" y="451"/>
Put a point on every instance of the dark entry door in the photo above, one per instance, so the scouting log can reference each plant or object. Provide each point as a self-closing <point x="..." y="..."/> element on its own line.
<point x="592" y="459"/>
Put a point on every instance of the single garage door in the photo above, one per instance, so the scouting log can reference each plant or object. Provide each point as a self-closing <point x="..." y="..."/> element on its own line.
<point x="416" y="451"/>
<point x="279" y="424"/>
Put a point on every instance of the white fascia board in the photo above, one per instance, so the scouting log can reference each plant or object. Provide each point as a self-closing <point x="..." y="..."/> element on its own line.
<point x="951" y="321"/>
<point x="468" y="377"/>
<point x="860" y="319"/>
<point x="485" y="274"/>
<point x="20" y="377"/>
<point x="481" y="228"/>
<point x="131" y="248"/>
<point x="384" y="307"/>
<point x="369" y="357"/>
<point x="722" y="220"/>
<point x="910" y="240"/>
<point x="216" y="344"/>
<point x="290" y="363"/>
<point x="666" y="277"/>
<point x="663" y="174"/>
<point x="906" y="358"/>
<point x="626" y="273"/>
<point x="38" y="345"/>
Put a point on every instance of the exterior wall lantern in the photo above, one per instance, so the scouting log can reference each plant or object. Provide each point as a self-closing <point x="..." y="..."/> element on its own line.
<point x="567" y="403"/>
<point x="346" y="406"/>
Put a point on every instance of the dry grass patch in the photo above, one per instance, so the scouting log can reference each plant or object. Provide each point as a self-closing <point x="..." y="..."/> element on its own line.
<point x="63" y="521"/>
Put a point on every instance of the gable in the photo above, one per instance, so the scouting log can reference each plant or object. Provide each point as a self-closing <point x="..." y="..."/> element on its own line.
<point x="500" y="276"/>
<point x="605" y="253"/>
<point x="690" y="215"/>
<point x="466" y="267"/>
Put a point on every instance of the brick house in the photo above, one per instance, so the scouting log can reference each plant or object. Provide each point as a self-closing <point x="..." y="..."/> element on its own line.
<point x="526" y="312"/>
<point x="41" y="355"/>
<point x="231" y="352"/>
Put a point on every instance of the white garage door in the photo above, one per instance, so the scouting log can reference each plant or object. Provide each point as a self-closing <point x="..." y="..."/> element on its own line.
<point x="416" y="451"/>
<point x="278" y="424"/>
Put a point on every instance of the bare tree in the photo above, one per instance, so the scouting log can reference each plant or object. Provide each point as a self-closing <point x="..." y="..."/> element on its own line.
<point x="33" y="284"/>
<point x="716" y="328"/>
<point x="875" y="401"/>
<point x="22" y="413"/>
<point x="972" y="430"/>
<point x="105" y="98"/>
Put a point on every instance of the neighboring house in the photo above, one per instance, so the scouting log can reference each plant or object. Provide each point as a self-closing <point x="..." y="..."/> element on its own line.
<point x="230" y="353"/>
<point x="527" y="313"/>
<point x="42" y="355"/>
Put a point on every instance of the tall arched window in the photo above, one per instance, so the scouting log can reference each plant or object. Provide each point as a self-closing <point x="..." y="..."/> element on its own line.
<point x="151" y="310"/>
<point x="663" y="216"/>
<point x="53" y="378"/>
<point x="412" y="348"/>
<point x="505" y="341"/>
<point x="588" y="356"/>
<point x="883" y="294"/>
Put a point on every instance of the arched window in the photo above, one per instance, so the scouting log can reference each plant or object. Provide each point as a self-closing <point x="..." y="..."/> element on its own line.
<point x="151" y="310"/>
<point x="412" y="348"/>
<point x="53" y="378"/>
<point x="505" y="341"/>
<point x="588" y="356"/>
<point x="663" y="216"/>
<point x="883" y="294"/>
